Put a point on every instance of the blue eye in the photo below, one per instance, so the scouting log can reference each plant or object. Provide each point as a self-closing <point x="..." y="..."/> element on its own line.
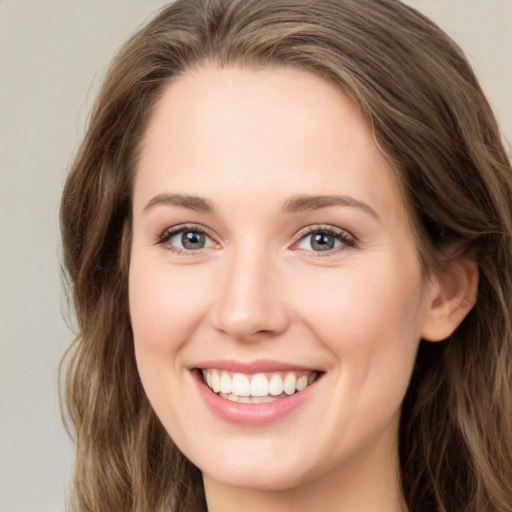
<point x="322" y="240"/>
<point x="186" y="239"/>
<point x="190" y="240"/>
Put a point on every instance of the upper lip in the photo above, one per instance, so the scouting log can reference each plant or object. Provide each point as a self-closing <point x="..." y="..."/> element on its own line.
<point x="249" y="367"/>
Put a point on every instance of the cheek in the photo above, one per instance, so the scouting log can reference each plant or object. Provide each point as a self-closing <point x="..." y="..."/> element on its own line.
<point x="348" y="302"/>
<point x="369" y="318"/>
<point x="165" y="305"/>
<point x="165" y="310"/>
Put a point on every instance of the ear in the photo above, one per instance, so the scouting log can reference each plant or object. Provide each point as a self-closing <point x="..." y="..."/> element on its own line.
<point x="450" y="298"/>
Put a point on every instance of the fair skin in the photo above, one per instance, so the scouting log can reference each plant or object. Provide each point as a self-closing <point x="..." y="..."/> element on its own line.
<point x="234" y="267"/>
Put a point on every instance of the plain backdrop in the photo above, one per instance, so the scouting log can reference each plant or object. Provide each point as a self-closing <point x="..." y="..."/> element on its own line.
<point x="52" y="57"/>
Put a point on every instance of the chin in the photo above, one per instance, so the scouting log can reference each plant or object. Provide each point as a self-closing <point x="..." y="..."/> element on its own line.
<point x="264" y="466"/>
<point x="271" y="478"/>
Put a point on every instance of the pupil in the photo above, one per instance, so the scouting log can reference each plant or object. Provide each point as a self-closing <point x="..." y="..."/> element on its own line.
<point x="322" y="242"/>
<point x="193" y="240"/>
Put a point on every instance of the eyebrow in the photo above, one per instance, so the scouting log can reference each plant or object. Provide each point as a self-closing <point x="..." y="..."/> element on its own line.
<point x="292" y="205"/>
<point x="307" y="203"/>
<point x="195" y="203"/>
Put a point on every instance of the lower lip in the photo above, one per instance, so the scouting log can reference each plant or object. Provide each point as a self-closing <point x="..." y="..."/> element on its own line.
<point x="252" y="414"/>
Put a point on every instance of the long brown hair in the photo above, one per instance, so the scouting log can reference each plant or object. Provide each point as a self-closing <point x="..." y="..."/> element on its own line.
<point x="432" y="121"/>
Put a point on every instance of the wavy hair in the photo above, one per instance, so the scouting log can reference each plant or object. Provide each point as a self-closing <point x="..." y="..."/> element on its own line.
<point x="432" y="121"/>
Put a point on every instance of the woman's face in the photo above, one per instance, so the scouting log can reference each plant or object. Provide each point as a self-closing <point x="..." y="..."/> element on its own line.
<point x="272" y="257"/>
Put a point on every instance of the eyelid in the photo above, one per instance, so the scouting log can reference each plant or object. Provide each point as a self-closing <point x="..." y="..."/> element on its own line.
<point x="348" y="239"/>
<point x="172" y="231"/>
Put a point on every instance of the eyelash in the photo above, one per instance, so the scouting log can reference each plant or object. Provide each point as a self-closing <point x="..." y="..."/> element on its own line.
<point x="170" y="233"/>
<point x="346" y="239"/>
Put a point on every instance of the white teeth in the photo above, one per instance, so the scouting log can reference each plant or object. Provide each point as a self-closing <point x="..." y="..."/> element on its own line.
<point x="258" y="388"/>
<point x="262" y="399"/>
<point x="276" y="385"/>
<point x="259" y="385"/>
<point x="229" y="396"/>
<point x="248" y="399"/>
<point x="215" y="381"/>
<point x="240" y="385"/>
<point x="289" y="383"/>
<point x="225" y="383"/>
<point x="302" y="382"/>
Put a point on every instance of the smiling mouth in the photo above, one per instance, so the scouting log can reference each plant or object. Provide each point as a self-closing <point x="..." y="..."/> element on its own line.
<point x="259" y="387"/>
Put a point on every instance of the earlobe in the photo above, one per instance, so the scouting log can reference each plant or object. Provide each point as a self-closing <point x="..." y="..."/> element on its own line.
<point x="451" y="297"/>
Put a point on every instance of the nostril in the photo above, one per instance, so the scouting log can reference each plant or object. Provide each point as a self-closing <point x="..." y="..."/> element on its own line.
<point x="252" y="323"/>
<point x="248" y="307"/>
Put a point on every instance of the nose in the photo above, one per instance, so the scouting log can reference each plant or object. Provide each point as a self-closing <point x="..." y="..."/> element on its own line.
<point x="251" y="303"/>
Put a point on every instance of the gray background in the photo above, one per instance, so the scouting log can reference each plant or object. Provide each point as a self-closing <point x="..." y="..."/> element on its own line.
<point x="52" y="57"/>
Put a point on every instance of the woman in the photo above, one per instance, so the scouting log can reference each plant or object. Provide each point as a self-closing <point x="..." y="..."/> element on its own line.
<point x="277" y="211"/>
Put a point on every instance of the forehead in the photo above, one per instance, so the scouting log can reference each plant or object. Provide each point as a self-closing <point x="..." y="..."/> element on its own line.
<point x="223" y="131"/>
